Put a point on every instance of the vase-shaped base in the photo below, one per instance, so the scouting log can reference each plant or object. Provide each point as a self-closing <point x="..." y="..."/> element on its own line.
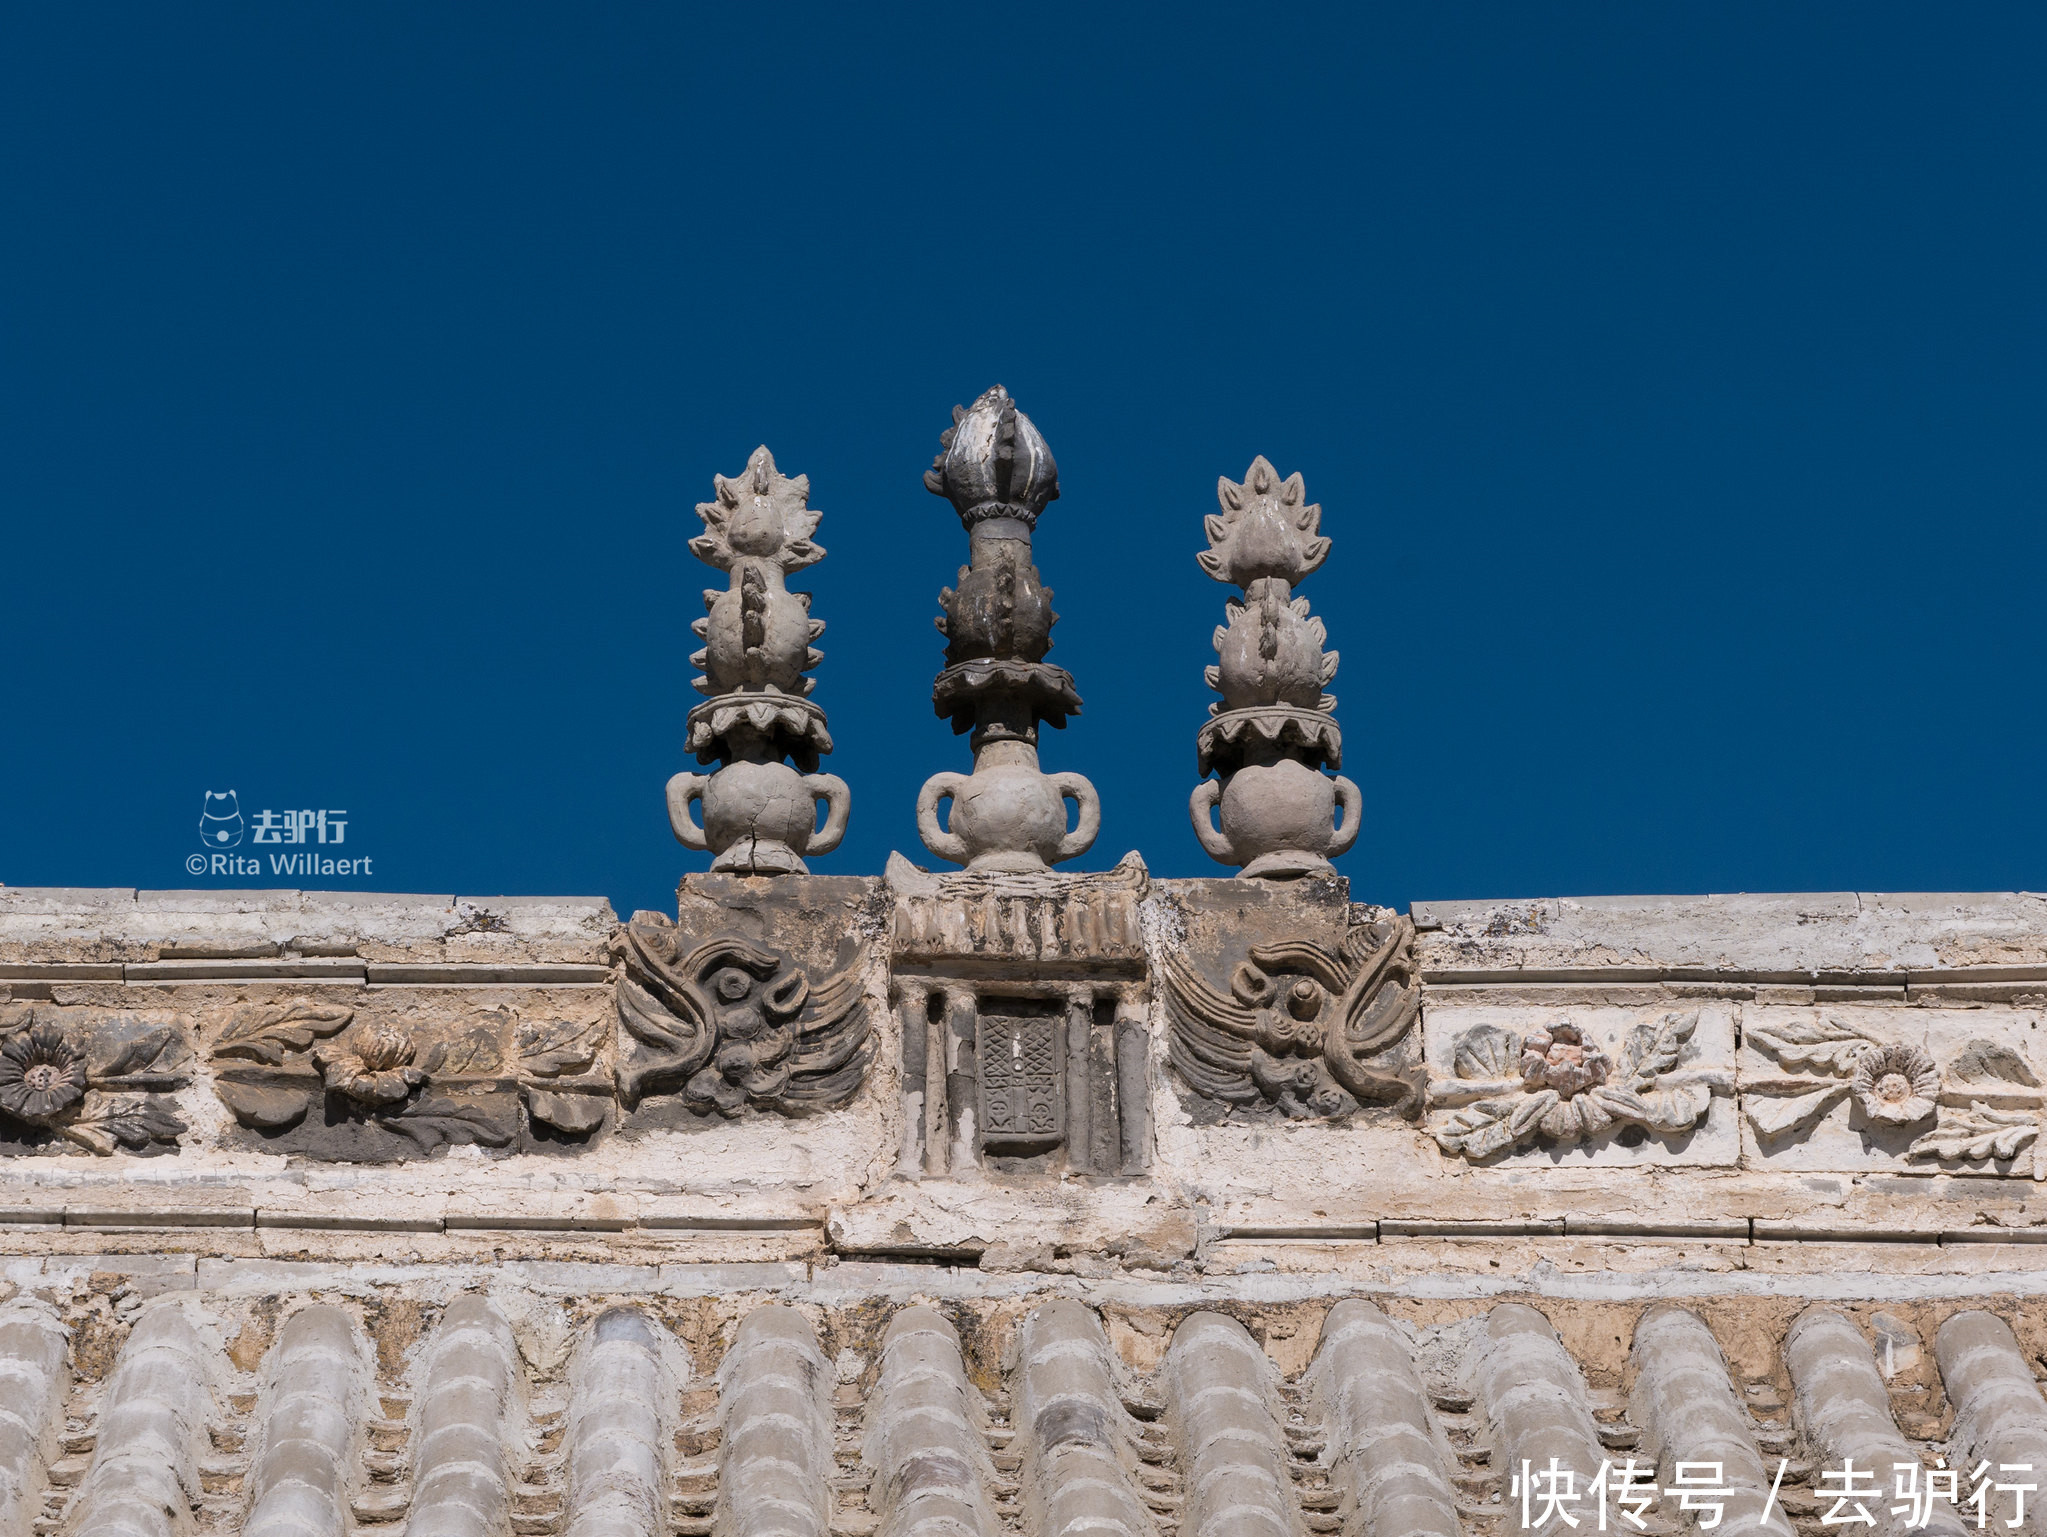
<point x="1285" y="864"/>
<point x="759" y="856"/>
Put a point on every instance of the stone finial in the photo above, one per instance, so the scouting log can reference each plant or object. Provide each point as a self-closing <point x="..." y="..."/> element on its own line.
<point x="994" y="463"/>
<point x="759" y="813"/>
<point x="1274" y="729"/>
<point x="998" y="474"/>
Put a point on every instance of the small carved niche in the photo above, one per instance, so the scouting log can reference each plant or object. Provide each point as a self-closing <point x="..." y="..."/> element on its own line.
<point x="1012" y="1081"/>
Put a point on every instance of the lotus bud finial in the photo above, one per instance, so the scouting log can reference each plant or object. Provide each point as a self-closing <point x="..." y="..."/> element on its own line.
<point x="995" y="463"/>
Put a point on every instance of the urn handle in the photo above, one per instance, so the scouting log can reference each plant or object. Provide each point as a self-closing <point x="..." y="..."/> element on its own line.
<point x="1352" y="801"/>
<point x="838" y="800"/>
<point x="683" y="789"/>
<point x="940" y="787"/>
<point x="1087" y="815"/>
<point x="1201" y="807"/>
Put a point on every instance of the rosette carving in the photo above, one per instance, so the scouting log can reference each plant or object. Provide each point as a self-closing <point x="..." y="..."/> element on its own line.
<point x="96" y="1080"/>
<point x="41" y="1076"/>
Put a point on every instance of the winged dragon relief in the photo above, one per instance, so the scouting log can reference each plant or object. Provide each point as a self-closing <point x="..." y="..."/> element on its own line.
<point x="1303" y="1028"/>
<point x="729" y="1024"/>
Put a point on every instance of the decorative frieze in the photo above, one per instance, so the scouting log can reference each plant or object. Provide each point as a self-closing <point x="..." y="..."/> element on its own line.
<point x="95" y="1080"/>
<point x="1597" y="1083"/>
<point x="1926" y="1090"/>
<point x="336" y="1081"/>
<point x="972" y="918"/>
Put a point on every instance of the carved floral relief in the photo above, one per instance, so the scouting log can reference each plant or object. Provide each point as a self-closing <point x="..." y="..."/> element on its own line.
<point x="332" y="1081"/>
<point x="97" y="1080"/>
<point x="1914" y="1089"/>
<point x="1601" y="1083"/>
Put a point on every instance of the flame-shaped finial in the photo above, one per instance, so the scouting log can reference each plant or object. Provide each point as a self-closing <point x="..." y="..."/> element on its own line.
<point x="996" y="463"/>
<point x="762" y="513"/>
<point x="1267" y="528"/>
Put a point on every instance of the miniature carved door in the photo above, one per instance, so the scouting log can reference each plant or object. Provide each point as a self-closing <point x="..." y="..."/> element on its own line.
<point x="1022" y="1081"/>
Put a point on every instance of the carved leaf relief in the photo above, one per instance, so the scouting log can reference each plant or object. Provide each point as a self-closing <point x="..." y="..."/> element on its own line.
<point x="549" y="1049"/>
<point x="108" y="1122"/>
<point x="1980" y="1133"/>
<point x="264" y="1032"/>
<point x="1775" y="1116"/>
<point x="1824" y="1045"/>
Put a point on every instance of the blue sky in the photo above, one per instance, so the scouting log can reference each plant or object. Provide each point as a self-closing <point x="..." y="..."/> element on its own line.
<point x="1671" y="378"/>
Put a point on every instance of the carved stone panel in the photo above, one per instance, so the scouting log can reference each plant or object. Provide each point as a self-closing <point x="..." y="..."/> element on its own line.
<point x="1582" y="1084"/>
<point x="1288" y="1002"/>
<point x="1909" y="1090"/>
<point x="753" y="998"/>
<point x="1021" y="997"/>
<point x="91" y="1080"/>
<point x="1023" y="1081"/>
<point x="980" y="923"/>
<point x="402" y="1074"/>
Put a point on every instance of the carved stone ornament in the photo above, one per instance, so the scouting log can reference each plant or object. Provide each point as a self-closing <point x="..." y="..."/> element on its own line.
<point x="331" y="1085"/>
<point x="1511" y="1089"/>
<point x="729" y="1024"/>
<point x="1303" y="1028"/>
<point x="759" y="813"/>
<point x="90" y="1079"/>
<point x="998" y="473"/>
<point x="1274" y="729"/>
<point x="1984" y="1107"/>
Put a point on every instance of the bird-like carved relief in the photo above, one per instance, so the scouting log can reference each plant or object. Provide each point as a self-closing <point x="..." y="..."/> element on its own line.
<point x="729" y="1024"/>
<point x="1300" y="1024"/>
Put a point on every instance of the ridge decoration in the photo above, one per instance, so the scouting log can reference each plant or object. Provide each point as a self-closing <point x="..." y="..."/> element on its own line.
<point x="730" y="1024"/>
<point x="1510" y="1089"/>
<point x="1308" y="1030"/>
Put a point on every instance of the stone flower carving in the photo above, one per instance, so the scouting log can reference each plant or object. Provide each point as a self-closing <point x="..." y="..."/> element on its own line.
<point x="1304" y="1030"/>
<point x="1895" y="1084"/>
<point x="1510" y="1090"/>
<point x="1558" y="1058"/>
<point x="41" y="1076"/>
<point x="97" y="1079"/>
<point x="374" y="1069"/>
<point x="1828" y="1059"/>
